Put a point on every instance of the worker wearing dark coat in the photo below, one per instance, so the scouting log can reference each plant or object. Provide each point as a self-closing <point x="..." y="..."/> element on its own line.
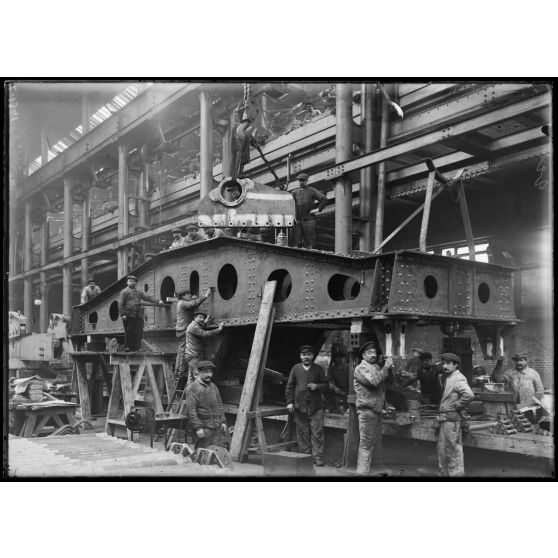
<point x="305" y="222"/>
<point x="368" y="381"/>
<point x="307" y="381"/>
<point x="428" y="376"/>
<point x="204" y="409"/>
<point x="131" y="312"/>
<point x="455" y="397"/>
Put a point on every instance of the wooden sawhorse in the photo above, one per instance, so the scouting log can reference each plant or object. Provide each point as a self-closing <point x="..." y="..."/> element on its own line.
<point x="38" y="416"/>
<point x="158" y="371"/>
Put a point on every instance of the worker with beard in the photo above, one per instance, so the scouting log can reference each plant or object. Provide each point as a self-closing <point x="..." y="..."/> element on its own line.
<point x="456" y="395"/>
<point x="204" y="409"/>
<point x="368" y="381"/>
<point x="307" y="381"/>
<point x="524" y="381"/>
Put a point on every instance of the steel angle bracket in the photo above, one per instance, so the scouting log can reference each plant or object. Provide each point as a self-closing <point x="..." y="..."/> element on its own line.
<point x="442" y="178"/>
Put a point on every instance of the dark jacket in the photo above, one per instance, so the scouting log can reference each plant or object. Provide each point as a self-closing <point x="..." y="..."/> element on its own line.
<point x="296" y="392"/>
<point x="204" y="407"/>
<point x="304" y="201"/>
<point x="369" y="386"/>
<point x="185" y="312"/>
<point x="129" y="303"/>
<point x="195" y="339"/>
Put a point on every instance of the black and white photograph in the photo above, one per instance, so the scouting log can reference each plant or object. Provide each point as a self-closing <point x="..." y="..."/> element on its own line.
<point x="279" y="279"/>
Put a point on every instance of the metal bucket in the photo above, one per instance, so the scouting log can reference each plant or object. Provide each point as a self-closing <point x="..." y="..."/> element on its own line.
<point x="413" y="407"/>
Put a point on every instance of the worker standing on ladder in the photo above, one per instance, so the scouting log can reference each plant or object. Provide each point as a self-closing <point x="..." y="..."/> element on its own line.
<point x="187" y="303"/>
<point x="307" y="381"/>
<point x="131" y="312"/>
<point x="305" y="222"/>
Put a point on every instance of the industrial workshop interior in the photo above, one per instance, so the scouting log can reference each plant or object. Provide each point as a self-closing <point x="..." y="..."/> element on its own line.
<point x="279" y="279"/>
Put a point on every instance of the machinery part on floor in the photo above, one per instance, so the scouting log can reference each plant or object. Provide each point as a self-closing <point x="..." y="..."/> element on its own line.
<point x="134" y="421"/>
<point x="504" y="426"/>
<point x="66" y="429"/>
<point x="180" y="449"/>
<point x="82" y="422"/>
<point x="520" y="422"/>
<point x="213" y="455"/>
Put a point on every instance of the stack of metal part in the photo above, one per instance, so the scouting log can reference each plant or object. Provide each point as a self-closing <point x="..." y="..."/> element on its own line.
<point x="520" y="422"/>
<point x="504" y="426"/>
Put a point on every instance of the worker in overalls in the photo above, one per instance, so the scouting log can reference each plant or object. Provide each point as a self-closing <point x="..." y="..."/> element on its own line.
<point x="368" y="379"/>
<point x="304" y="230"/>
<point x="525" y="382"/>
<point x="456" y="395"/>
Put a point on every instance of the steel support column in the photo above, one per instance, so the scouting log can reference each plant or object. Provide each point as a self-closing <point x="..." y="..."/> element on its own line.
<point x="206" y="144"/>
<point x="227" y="156"/>
<point x="343" y="151"/>
<point x="123" y="227"/>
<point x="85" y="232"/>
<point x="368" y="182"/>
<point x="381" y="195"/>
<point x="67" y="292"/>
<point x="27" y="262"/>
<point x="85" y="113"/>
<point x="43" y="285"/>
<point x="143" y="190"/>
<point x="44" y="146"/>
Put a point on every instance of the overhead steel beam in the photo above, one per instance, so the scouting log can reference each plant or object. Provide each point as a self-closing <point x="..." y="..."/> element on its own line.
<point x="138" y="111"/>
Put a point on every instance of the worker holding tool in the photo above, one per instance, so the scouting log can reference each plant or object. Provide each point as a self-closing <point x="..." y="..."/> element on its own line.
<point x="131" y="312"/>
<point x="204" y="409"/>
<point x="196" y="334"/>
<point x="307" y="381"/>
<point x="90" y="291"/>
<point x="368" y="380"/>
<point x="187" y="303"/>
<point x="305" y="222"/>
<point x="456" y="395"/>
<point x="525" y="382"/>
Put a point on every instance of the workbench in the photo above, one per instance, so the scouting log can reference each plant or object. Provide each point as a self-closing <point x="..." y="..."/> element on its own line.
<point x="524" y="443"/>
<point x="31" y="419"/>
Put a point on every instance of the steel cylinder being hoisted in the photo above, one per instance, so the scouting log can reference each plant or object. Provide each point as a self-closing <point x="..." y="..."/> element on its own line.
<point x="241" y="202"/>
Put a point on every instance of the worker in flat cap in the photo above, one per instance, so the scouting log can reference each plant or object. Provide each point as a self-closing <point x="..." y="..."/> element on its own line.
<point x="178" y="239"/>
<point x="304" y="230"/>
<point x="131" y="312"/>
<point x="198" y="334"/>
<point x="523" y="380"/>
<point x="193" y="234"/>
<point x="204" y="408"/>
<point x="232" y="192"/>
<point x="456" y="395"/>
<point x="427" y="375"/>
<point x="305" y="386"/>
<point x="368" y="380"/>
<point x="338" y="378"/>
<point x="91" y="290"/>
<point x="187" y="303"/>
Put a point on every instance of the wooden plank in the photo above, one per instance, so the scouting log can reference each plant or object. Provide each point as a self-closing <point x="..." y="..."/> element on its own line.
<point x="466" y="220"/>
<point x="261" y="434"/>
<point x="83" y="389"/>
<point x="170" y="384"/>
<point x="114" y="401"/>
<point x="256" y="363"/>
<point x="41" y="423"/>
<point x="154" y="388"/>
<point x="105" y="370"/>
<point x="29" y="425"/>
<point x="127" y="394"/>
<point x="137" y="378"/>
<point x="426" y="211"/>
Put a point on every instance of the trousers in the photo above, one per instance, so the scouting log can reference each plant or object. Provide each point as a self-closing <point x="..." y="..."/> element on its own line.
<point x="310" y="433"/>
<point x="180" y="366"/>
<point x="305" y="231"/>
<point x="191" y="362"/>
<point x="370" y="432"/>
<point x="450" y="450"/>
<point x="212" y="437"/>
<point x="133" y="333"/>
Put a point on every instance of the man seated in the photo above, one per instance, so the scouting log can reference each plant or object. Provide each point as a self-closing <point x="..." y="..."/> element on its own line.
<point x="204" y="409"/>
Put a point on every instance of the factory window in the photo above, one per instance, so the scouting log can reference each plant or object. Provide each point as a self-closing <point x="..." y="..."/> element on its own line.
<point x="195" y="283"/>
<point x="167" y="288"/>
<point x="113" y="311"/>
<point x="481" y="252"/>
<point x="227" y="281"/>
<point x="343" y="287"/>
<point x="484" y="293"/>
<point x="284" y="284"/>
<point x="430" y="286"/>
<point x="93" y="318"/>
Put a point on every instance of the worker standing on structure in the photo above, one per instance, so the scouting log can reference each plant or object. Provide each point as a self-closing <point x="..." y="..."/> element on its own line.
<point x="204" y="408"/>
<point x="368" y="381"/>
<point x="131" y="312"/>
<point x="90" y="291"/>
<point x="305" y="222"/>
<point x="193" y="234"/>
<point x="524" y="381"/>
<point x="187" y="303"/>
<point x="196" y="334"/>
<point x="456" y="396"/>
<point x="307" y="381"/>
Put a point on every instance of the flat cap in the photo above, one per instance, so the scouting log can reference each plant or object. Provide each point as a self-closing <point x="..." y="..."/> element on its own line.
<point x="304" y="348"/>
<point x="479" y="370"/>
<point x="191" y="226"/>
<point x="521" y="354"/>
<point x="182" y="292"/>
<point x="425" y="354"/>
<point x="302" y="176"/>
<point x="131" y="277"/>
<point x="177" y="230"/>
<point x="419" y="351"/>
<point x="452" y="357"/>
<point x="91" y="280"/>
<point x="367" y="345"/>
<point x="200" y="312"/>
<point x="204" y="364"/>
